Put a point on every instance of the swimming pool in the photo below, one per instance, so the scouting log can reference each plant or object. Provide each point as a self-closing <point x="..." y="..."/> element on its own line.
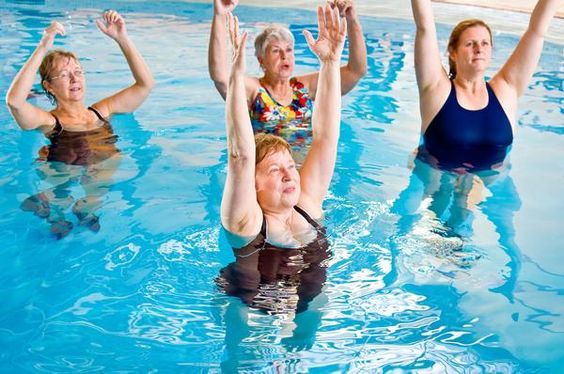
<point x="428" y="273"/>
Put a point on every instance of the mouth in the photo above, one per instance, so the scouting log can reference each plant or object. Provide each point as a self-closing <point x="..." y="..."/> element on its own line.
<point x="290" y="189"/>
<point x="75" y="89"/>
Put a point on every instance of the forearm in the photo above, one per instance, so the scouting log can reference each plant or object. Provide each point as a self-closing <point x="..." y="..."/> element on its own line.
<point x="240" y="137"/>
<point x="327" y="110"/>
<point x="217" y="53"/>
<point x="141" y="72"/>
<point x="357" y="63"/>
<point x="542" y="14"/>
<point x="23" y="82"/>
<point x="423" y="15"/>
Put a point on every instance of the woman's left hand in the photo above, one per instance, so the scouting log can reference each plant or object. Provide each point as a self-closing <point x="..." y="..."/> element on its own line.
<point x="332" y="32"/>
<point x="112" y="25"/>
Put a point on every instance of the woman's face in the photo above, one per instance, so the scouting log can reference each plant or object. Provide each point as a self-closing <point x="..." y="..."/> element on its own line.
<point x="278" y="59"/>
<point x="277" y="181"/>
<point x="66" y="81"/>
<point x="474" y="50"/>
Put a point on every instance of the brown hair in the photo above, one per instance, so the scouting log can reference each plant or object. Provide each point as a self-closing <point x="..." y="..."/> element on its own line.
<point x="46" y="68"/>
<point x="455" y="38"/>
<point x="267" y="144"/>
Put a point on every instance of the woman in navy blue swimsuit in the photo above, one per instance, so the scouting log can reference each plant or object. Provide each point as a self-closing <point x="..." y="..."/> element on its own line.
<point x="467" y="122"/>
<point x="82" y="143"/>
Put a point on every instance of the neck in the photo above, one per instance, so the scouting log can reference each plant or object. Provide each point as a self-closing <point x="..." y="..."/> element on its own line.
<point x="470" y="82"/>
<point x="276" y="84"/>
<point x="280" y="218"/>
<point x="71" y="109"/>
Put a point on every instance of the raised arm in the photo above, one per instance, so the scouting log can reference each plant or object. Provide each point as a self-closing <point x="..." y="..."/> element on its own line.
<point x="319" y="164"/>
<point x="428" y="68"/>
<point x="519" y="68"/>
<point x="217" y="58"/>
<point x="130" y="98"/>
<point x="356" y="66"/>
<point x="28" y="116"/>
<point x="240" y="213"/>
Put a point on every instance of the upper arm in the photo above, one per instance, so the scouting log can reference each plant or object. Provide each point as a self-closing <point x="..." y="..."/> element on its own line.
<point x="519" y="68"/>
<point x="428" y="67"/>
<point x="30" y="117"/>
<point x="349" y="79"/>
<point x="124" y="101"/>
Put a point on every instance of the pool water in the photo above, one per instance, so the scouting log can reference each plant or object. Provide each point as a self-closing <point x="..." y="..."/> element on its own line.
<point x="430" y="271"/>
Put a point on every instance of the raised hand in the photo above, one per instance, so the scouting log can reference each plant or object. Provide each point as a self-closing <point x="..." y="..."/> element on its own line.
<point x="50" y="33"/>
<point x="346" y="8"/>
<point x="222" y="7"/>
<point x="112" y="25"/>
<point x="238" y="44"/>
<point x="332" y="32"/>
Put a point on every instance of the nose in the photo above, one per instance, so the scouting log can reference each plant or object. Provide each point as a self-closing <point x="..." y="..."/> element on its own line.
<point x="286" y="176"/>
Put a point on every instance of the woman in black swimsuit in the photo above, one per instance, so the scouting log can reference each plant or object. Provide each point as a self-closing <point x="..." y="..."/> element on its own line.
<point x="269" y="208"/>
<point x="78" y="135"/>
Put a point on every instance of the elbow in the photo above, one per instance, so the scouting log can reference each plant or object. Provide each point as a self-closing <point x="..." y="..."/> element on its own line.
<point x="149" y="83"/>
<point x="11" y="101"/>
<point x="362" y="71"/>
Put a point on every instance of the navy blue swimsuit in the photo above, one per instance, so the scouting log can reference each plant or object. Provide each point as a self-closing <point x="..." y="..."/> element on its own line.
<point x="473" y="139"/>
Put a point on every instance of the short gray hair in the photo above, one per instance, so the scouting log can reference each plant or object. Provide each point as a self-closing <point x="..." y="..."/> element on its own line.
<point x="270" y="33"/>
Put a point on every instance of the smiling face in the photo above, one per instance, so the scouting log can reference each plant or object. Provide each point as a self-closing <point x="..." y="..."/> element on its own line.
<point x="474" y="49"/>
<point x="64" y="79"/>
<point x="277" y="181"/>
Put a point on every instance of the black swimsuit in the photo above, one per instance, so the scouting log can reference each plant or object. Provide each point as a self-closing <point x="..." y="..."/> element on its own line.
<point x="474" y="139"/>
<point x="277" y="279"/>
<point x="81" y="147"/>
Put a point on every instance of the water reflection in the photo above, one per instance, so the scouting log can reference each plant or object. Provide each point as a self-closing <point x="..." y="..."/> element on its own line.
<point x="281" y="285"/>
<point x="85" y="159"/>
<point x="437" y="211"/>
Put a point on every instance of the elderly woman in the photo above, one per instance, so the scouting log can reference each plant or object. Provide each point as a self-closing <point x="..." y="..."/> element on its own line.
<point x="279" y="102"/>
<point x="78" y="135"/>
<point x="465" y="121"/>
<point x="270" y="210"/>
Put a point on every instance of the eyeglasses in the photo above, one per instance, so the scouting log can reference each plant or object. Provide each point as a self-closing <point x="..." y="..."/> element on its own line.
<point x="65" y="75"/>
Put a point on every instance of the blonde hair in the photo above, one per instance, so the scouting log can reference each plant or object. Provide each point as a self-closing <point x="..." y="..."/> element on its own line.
<point x="454" y="39"/>
<point x="271" y="33"/>
<point x="46" y="68"/>
<point x="266" y="144"/>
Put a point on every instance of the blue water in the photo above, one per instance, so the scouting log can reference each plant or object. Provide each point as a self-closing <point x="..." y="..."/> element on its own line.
<point x="430" y="271"/>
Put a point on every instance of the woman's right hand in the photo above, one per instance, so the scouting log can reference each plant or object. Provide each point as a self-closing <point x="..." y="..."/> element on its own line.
<point x="222" y="7"/>
<point x="238" y="44"/>
<point x="50" y="33"/>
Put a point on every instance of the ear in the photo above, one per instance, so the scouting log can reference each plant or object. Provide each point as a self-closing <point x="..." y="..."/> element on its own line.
<point x="46" y="86"/>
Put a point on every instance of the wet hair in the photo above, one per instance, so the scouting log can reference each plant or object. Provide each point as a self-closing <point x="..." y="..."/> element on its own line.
<point x="270" y="33"/>
<point x="267" y="144"/>
<point x="454" y="39"/>
<point x="46" y="68"/>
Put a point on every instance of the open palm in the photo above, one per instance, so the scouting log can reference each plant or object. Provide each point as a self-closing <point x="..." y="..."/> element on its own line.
<point x="113" y="25"/>
<point x="238" y="42"/>
<point x="331" y="38"/>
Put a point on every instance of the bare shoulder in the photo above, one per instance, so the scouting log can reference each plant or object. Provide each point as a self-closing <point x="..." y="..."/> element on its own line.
<point x="252" y="85"/>
<point x="432" y="99"/>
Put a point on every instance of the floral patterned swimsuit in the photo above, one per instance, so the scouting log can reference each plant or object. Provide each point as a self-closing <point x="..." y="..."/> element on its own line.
<point x="291" y="122"/>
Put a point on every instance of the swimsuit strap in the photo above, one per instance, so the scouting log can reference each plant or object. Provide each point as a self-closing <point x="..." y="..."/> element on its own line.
<point x="97" y="114"/>
<point x="310" y="220"/>
<point x="58" y="127"/>
<point x="302" y="212"/>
